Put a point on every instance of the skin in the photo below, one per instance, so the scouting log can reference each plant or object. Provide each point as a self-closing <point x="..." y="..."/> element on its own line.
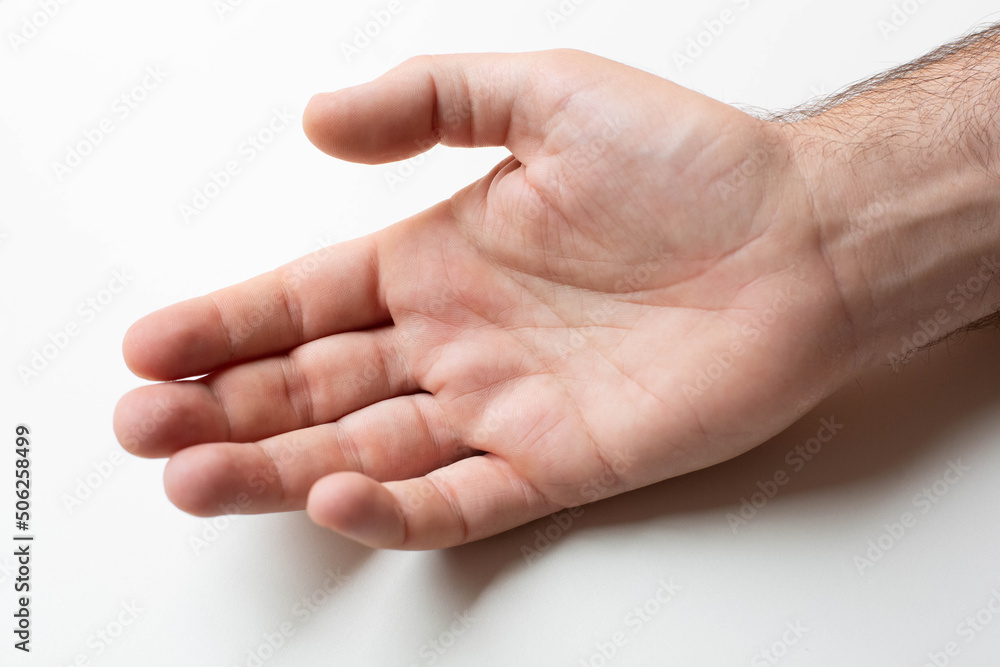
<point x="652" y="283"/>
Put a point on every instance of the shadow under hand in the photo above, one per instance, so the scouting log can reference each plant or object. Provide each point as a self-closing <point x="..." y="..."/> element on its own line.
<point x="302" y="562"/>
<point x="890" y="420"/>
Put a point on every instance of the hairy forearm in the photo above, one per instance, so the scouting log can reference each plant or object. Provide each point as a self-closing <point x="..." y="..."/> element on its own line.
<point x="904" y="175"/>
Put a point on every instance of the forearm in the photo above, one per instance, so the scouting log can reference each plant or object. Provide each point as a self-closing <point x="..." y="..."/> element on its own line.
<point x="904" y="175"/>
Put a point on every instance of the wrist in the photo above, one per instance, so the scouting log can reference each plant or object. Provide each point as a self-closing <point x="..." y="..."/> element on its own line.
<point x="910" y="223"/>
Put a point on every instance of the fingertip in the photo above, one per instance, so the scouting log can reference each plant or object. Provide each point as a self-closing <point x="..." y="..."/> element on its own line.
<point x="332" y="123"/>
<point x="336" y="500"/>
<point x="178" y="341"/>
<point x="384" y="120"/>
<point x="187" y="485"/>
<point x="157" y="420"/>
<point x="201" y="479"/>
<point x="155" y="346"/>
<point x="312" y="118"/>
<point x="121" y="422"/>
<point x="357" y="507"/>
<point x="135" y="345"/>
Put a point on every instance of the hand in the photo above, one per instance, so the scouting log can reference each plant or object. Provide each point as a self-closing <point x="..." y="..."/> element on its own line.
<point x="639" y="291"/>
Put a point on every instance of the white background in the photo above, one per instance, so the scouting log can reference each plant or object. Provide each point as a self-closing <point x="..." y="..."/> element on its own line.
<point x="736" y="593"/>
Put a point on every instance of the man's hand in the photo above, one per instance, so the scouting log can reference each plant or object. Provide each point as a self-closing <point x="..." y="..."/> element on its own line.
<point x="642" y="289"/>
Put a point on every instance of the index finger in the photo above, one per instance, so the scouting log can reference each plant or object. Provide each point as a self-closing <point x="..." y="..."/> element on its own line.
<point x="330" y="291"/>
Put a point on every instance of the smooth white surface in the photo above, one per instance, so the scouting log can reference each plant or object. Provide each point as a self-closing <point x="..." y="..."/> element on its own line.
<point x="792" y="565"/>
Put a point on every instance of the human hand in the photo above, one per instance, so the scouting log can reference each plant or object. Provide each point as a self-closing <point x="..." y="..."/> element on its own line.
<point x="639" y="291"/>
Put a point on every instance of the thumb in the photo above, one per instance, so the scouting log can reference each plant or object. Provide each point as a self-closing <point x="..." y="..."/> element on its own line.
<point x="458" y="100"/>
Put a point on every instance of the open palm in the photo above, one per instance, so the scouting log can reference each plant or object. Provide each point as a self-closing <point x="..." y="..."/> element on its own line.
<point x="637" y="292"/>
